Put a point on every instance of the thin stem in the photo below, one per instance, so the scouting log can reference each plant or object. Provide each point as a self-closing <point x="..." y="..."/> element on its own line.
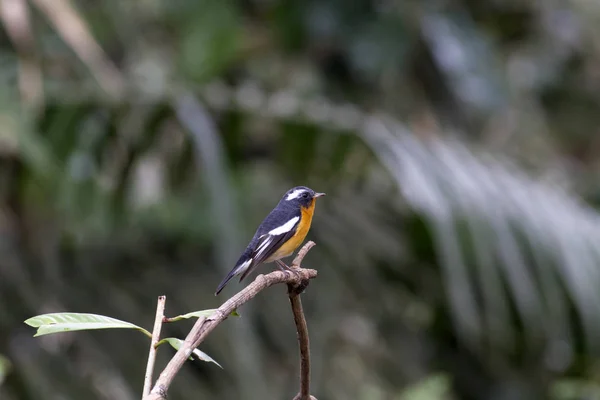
<point x="294" y="292"/>
<point x="303" y="344"/>
<point x="302" y="253"/>
<point x="160" y="311"/>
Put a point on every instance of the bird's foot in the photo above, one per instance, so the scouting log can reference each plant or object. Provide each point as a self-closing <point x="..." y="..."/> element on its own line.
<point x="286" y="268"/>
<point x="293" y="288"/>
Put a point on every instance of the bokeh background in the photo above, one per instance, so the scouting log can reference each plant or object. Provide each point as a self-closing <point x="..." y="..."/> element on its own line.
<point x="458" y="249"/>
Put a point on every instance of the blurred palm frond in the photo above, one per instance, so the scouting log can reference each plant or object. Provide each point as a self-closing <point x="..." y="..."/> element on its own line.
<point x="509" y="247"/>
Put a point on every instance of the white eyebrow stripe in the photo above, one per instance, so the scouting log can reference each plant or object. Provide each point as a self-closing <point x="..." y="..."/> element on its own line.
<point x="295" y="194"/>
<point x="285" y="228"/>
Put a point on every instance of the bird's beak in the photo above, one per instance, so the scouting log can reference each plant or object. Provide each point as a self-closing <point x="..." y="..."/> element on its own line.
<point x="319" y="194"/>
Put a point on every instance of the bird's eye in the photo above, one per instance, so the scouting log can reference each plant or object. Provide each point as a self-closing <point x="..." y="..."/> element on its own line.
<point x="305" y="195"/>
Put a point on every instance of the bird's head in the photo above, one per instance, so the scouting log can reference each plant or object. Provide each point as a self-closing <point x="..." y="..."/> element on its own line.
<point x="301" y="195"/>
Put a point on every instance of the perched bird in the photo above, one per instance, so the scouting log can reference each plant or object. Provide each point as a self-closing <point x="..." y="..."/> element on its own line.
<point x="279" y="234"/>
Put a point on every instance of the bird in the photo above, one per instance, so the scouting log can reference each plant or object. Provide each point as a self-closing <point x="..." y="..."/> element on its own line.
<point x="279" y="235"/>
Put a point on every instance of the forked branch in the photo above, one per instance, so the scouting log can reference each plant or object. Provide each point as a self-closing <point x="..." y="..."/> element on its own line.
<point x="297" y="281"/>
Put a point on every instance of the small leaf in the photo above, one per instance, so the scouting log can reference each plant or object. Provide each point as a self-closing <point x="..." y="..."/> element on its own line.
<point x="4" y="368"/>
<point x="198" y="314"/>
<point x="176" y="344"/>
<point x="66" y="322"/>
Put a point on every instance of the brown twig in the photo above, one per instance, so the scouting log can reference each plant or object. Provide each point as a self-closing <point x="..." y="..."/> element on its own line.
<point x="303" y="343"/>
<point x="160" y="311"/>
<point x="204" y="326"/>
<point x="302" y="253"/>
<point x="294" y="292"/>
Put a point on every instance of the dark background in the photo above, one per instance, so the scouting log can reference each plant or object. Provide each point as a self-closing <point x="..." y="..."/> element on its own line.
<point x="142" y="142"/>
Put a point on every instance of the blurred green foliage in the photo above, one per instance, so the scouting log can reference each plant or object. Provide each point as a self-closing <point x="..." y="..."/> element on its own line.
<point x="141" y="143"/>
<point x="4" y="368"/>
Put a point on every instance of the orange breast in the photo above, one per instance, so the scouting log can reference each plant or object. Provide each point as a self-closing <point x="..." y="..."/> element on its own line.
<point x="301" y="232"/>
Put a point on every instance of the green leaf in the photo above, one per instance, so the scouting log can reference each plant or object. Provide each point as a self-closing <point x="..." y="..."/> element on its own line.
<point x="66" y="322"/>
<point x="198" y="314"/>
<point x="176" y="344"/>
<point x="4" y="368"/>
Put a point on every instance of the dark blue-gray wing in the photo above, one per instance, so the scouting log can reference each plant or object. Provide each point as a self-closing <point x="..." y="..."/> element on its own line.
<point x="268" y="245"/>
<point x="271" y="240"/>
<point x="276" y="229"/>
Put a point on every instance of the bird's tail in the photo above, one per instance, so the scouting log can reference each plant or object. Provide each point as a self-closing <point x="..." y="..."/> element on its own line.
<point x="238" y="269"/>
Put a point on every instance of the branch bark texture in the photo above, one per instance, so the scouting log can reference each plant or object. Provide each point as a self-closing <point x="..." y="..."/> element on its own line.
<point x="298" y="279"/>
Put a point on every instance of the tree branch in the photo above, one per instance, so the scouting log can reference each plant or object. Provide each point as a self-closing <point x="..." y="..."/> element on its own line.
<point x="301" y="327"/>
<point x="204" y="326"/>
<point x="303" y="344"/>
<point x="160" y="311"/>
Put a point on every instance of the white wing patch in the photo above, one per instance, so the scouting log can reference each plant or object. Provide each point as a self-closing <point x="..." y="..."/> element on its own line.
<point x="243" y="267"/>
<point x="285" y="228"/>
<point x="263" y="246"/>
<point x="269" y="237"/>
<point x="295" y="194"/>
